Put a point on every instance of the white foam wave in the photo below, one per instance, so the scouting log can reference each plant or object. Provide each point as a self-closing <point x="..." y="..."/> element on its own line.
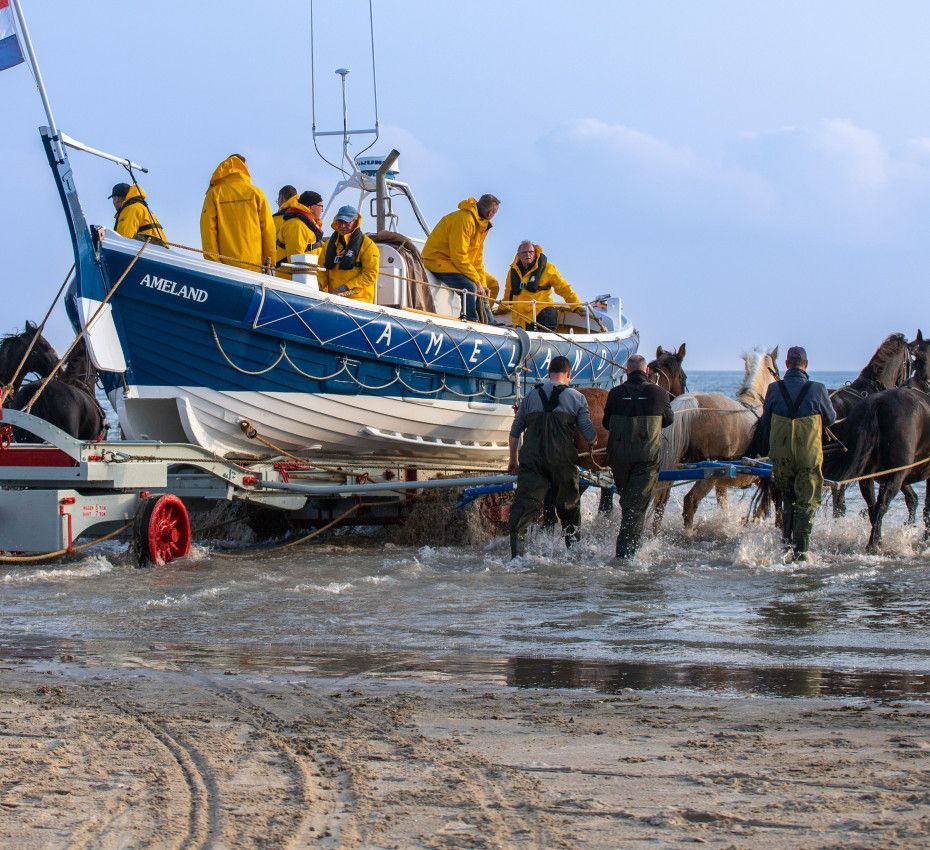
<point x="94" y="566"/>
<point x="168" y="601"/>
<point x="333" y="587"/>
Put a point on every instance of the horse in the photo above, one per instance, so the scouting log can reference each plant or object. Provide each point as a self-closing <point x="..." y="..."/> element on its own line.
<point x="666" y="371"/>
<point x="711" y="426"/>
<point x="68" y="401"/>
<point x="888" y="367"/>
<point x="889" y="433"/>
<point x="41" y="360"/>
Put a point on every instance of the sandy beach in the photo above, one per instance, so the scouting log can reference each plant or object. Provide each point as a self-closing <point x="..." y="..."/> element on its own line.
<point x="104" y="758"/>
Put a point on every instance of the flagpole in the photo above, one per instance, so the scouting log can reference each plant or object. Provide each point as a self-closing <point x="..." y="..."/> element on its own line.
<point x="24" y="32"/>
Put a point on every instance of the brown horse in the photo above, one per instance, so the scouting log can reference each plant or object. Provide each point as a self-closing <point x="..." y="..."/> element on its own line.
<point x="666" y="371"/>
<point x="713" y="426"/>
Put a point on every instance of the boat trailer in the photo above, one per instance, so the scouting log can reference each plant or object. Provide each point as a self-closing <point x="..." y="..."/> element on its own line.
<point x="54" y="492"/>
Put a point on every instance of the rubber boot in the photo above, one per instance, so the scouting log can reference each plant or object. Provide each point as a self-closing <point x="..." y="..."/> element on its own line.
<point x="787" y="527"/>
<point x="517" y="544"/>
<point x="572" y="535"/>
<point x="801" y="547"/>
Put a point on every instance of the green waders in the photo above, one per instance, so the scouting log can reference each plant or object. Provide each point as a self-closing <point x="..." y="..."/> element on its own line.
<point x="633" y="453"/>
<point x="796" y="452"/>
<point x="548" y="460"/>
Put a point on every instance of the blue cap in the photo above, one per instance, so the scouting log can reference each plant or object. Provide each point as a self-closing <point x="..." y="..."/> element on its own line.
<point x="347" y="213"/>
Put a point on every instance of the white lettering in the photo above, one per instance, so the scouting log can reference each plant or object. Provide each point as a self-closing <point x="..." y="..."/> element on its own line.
<point x="434" y="339"/>
<point x="547" y="361"/>
<point x="577" y="359"/>
<point x="385" y="334"/>
<point x="182" y="290"/>
<point x="475" y="352"/>
<point x="513" y="357"/>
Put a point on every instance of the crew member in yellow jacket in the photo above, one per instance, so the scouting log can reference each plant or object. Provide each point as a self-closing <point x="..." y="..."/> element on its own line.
<point x="287" y="197"/>
<point x="454" y="251"/>
<point x="302" y="230"/>
<point x="134" y="219"/>
<point x="349" y="260"/>
<point x="236" y="226"/>
<point x="531" y="281"/>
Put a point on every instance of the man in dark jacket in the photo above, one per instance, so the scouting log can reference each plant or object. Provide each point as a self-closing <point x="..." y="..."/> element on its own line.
<point x="795" y="413"/>
<point x="635" y="413"/>
<point x="547" y="419"/>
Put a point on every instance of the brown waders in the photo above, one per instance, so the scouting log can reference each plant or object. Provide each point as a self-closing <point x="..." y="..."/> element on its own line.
<point x="633" y="454"/>
<point x="548" y="461"/>
<point x="796" y="452"/>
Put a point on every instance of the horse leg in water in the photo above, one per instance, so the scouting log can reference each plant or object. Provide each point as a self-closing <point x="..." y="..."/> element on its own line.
<point x="887" y="490"/>
<point x="927" y="512"/>
<point x="722" y="493"/>
<point x="606" y="505"/>
<point x="912" y="500"/>
<point x="868" y="494"/>
<point x="691" y="502"/>
<point x="660" y="501"/>
<point x="839" y="500"/>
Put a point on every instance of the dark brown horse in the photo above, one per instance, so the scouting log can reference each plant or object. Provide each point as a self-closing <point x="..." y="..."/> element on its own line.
<point x="887" y="435"/>
<point x="13" y="347"/>
<point x="68" y="401"/>
<point x="888" y="367"/>
<point x="667" y="372"/>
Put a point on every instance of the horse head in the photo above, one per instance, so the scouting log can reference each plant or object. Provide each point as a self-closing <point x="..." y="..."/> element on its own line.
<point x="79" y="369"/>
<point x="666" y="371"/>
<point x="920" y="353"/>
<point x="40" y="356"/>
<point x="889" y="366"/>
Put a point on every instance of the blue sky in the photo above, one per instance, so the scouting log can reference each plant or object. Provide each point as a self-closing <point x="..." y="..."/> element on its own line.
<point x="741" y="173"/>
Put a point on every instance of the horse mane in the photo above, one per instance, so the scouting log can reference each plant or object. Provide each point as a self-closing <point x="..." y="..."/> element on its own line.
<point x="753" y="361"/>
<point x="872" y="372"/>
<point x="675" y="437"/>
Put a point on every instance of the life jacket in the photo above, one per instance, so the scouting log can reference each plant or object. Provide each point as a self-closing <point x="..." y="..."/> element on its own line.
<point x="533" y="282"/>
<point x="293" y="212"/>
<point x="549" y="439"/>
<point x="349" y="258"/>
<point x="150" y="231"/>
<point x="793" y="439"/>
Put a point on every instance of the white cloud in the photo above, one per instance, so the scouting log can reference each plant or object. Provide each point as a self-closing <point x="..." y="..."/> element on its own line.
<point x="858" y="153"/>
<point x="635" y="144"/>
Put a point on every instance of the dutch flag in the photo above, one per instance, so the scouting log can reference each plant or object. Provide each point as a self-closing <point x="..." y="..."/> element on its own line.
<point x="10" y="53"/>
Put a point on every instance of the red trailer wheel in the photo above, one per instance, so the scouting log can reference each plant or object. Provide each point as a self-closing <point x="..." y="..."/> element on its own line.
<point x="163" y="530"/>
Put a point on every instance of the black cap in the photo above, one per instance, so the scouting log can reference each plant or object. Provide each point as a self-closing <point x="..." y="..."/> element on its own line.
<point x="796" y="354"/>
<point x="308" y="199"/>
<point x="120" y="190"/>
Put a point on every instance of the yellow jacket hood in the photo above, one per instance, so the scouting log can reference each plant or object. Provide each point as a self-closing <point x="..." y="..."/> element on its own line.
<point x="135" y="191"/>
<point x="231" y="166"/>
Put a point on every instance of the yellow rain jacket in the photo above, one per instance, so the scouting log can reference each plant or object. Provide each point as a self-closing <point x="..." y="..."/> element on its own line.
<point x="236" y="220"/>
<point x="297" y="236"/>
<point x="456" y="244"/>
<point x="361" y="276"/>
<point x="135" y="220"/>
<point x="279" y="215"/>
<point x="543" y="280"/>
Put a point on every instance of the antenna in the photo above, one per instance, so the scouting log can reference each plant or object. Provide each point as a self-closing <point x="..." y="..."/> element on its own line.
<point x="345" y="132"/>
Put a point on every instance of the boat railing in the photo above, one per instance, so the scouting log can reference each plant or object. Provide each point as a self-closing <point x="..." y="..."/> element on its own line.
<point x="593" y="323"/>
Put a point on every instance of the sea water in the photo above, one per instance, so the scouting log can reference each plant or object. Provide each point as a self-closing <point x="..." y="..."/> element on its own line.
<point x="715" y="608"/>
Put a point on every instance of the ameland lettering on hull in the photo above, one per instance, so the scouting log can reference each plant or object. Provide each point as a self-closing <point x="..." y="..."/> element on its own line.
<point x="172" y="287"/>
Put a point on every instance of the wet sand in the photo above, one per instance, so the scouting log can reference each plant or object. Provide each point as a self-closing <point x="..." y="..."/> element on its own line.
<point x="111" y="758"/>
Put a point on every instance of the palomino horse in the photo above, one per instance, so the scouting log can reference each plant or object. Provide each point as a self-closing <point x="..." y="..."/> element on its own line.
<point x="888" y="367"/>
<point x="712" y="426"/>
<point x="41" y="360"/>
<point x="68" y="401"/>
<point x="889" y="433"/>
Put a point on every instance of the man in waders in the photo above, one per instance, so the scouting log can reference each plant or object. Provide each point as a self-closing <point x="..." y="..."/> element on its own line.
<point x="635" y="413"/>
<point x="549" y="416"/>
<point x="795" y="413"/>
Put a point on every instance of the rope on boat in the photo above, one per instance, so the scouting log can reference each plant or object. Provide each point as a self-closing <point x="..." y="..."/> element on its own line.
<point x="8" y="389"/>
<point x="79" y="337"/>
<point x="20" y="559"/>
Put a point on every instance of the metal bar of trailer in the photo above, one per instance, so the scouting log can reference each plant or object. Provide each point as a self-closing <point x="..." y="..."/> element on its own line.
<point x="384" y="486"/>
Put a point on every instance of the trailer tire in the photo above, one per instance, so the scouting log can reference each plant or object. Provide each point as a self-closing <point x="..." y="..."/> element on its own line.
<point x="162" y="530"/>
